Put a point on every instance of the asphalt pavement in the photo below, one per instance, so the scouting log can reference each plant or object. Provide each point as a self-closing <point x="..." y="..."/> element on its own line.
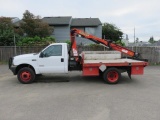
<point x="82" y="98"/>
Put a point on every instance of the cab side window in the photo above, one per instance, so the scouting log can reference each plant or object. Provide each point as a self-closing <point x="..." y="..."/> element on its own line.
<point x="54" y="50"/>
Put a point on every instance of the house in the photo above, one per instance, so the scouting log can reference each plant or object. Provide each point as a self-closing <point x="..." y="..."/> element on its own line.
<point x="140" y="44"/>
<point x="15" y="19"/>
<point x="157" y="43"/>
<point x="62" y="26"/>
<point x="90" y="25"/>
<point x="17" y="24"/>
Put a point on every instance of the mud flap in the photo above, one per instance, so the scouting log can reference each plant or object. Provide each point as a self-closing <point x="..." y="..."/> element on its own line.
<point x="129" y="72"/>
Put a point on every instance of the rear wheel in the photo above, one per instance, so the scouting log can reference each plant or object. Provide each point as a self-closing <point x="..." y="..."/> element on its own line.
<point x="112" y="75"/>
<point x="26" y="75"/>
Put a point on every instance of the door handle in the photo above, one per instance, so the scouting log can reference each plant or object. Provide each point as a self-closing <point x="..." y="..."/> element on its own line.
<point x="62" y="59"/>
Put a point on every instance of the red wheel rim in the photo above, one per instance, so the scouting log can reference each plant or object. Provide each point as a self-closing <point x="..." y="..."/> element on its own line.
<point x="25" y="76"/>
<point x="112" y="76"/>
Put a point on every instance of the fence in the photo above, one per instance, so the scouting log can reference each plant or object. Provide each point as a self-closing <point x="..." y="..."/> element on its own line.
<point x="150" y="53"/>
<point x="9" y="51"/>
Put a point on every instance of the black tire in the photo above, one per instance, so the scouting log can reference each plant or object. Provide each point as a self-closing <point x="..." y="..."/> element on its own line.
<point x="112" y="75"/>
<point x="100" y="74"/>
<point x="26" y="75"/>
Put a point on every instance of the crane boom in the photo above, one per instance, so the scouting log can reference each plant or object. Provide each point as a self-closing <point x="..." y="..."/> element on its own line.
<point x="97" y="40"/>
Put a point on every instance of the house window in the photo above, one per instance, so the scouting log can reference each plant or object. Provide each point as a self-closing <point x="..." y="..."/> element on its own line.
<point x="90" y="30"/>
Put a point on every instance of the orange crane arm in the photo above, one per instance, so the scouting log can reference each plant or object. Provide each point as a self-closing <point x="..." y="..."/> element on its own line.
<point x="97" y="40"/>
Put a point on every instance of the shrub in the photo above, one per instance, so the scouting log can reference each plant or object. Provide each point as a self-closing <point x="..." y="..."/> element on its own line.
<point x="35" y="41"/>
<point x="68" y="42"/>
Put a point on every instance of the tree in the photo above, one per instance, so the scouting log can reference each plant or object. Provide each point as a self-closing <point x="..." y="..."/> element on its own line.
<point x="119" y="42"/>
<point x="151" y="40"/>
<point x="111" y="32"/>
<point x="6" y="32"/>
<point x="33" y="26"/>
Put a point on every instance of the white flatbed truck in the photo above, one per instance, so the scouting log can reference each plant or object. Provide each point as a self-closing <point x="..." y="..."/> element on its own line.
<point x="57" y="58"/>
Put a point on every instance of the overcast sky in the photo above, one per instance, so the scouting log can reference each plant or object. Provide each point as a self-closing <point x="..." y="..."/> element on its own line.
<point x="144" y="15"/>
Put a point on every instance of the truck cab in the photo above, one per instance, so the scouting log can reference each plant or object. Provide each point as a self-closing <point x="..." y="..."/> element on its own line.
<point x="52" y="59"/>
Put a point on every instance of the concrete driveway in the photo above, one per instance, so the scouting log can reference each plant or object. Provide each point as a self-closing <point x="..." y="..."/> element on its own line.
<point x="83" y="98"/>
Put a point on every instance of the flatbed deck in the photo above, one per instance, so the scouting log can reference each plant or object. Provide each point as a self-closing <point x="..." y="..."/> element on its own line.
<point x="116" y="62"/>
<point x="123" y="60"/>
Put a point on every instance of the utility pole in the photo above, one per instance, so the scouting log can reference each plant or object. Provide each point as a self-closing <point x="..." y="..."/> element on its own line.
<point x="137" y="40"/>
<point x="134" y="37"/>
<point x="15" y="52"/>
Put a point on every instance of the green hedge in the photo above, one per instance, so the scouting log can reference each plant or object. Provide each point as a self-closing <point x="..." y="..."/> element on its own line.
<point x="32" y="41"/>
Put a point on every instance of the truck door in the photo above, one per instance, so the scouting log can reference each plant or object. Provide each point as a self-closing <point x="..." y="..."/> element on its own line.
<point x="51" y="60"/>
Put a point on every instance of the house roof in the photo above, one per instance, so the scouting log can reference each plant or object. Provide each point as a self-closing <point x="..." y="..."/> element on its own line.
<point x="15" y="19"/>
<point x="57" y="20"/>
<point x="17" y="23"/>
<point x="157" y="43"/>
<point x="68" y="20"/>
<point x="85" y="22"/>
<point x="140" y="44"/>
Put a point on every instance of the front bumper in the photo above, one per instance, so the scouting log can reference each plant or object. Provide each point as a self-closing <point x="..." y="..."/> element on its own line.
<point x="13" y="69"/>
<point x="11" y="66"/>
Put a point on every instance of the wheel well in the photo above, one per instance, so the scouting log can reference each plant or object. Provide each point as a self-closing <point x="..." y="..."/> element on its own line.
<point x="22" y="66"/>
<point x="121" y="69"/>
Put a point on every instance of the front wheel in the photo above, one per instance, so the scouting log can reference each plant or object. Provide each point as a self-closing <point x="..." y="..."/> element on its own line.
<point x="112" y="75"/>
<point x="26" y="75"/>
